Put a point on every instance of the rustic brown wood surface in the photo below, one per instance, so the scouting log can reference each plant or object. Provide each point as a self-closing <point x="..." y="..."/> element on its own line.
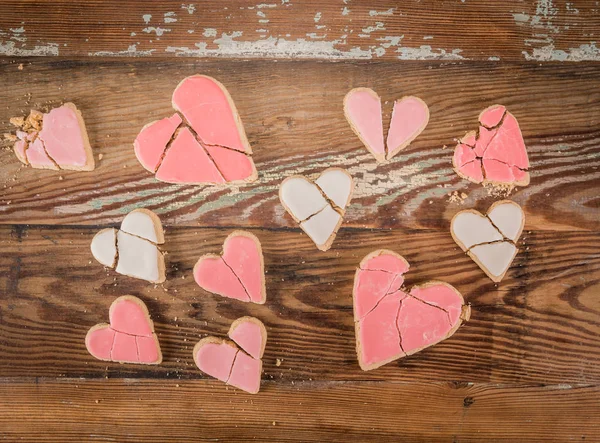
<point x="526" y="367"/>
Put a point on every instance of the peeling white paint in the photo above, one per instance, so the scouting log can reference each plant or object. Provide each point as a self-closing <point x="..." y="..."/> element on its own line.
<point x="191" y="8"/>
<point x="156" y="29"/>
<point x="169" y="17"/>
<point x="345" y="11"/>
<point x="209" y="32"/>
<point x="317" y="17"/>
<point x="8" y="48"/>
<point x="379" y="26"/>
<point x="131" y="51"/>
<point x="147" y="18"/>
<point x="425" y="52"/>
<point x="374" y="13"/>
<point x="266" y="5"/>
<point x="586" y="52"/>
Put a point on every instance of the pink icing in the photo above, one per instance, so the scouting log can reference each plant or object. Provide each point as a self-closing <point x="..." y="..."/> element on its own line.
<point x="369" y="288"/>
<point x="206" y="106"/>
<point x="152" y="140"/>
<point x="19" y="148"/>
<point x="232" y="164"/>
<point x="246" y="373"/>
<point x="36" y="155"/>
<point x="363" y="109"/>
<point x="442" y="296"/>
<point x="212" y="274"/>
<point x="216" y="359"/>
<point x="100" y="342"/>
<point x="469" y="139"/>
<point x="409" y="118"/>
<point x="129" y="317"/>
<point x="248" y="336"/>
<point x="125" y="348"/>
<point x="421" y="325"/>
<point x="498" y="171"/>
<point x="492" y="116"/>
<point x="186" y="161"/>
<point x="485" y="137"/>
<point x="463" y="154"/>
<point x="473" y="171"/>
<point x="242" y="255"/>
<point x="147" y="350"/>
<point x="508" y="145"/>
<point x="63" y="137"/>
<point x="386" y="262"/>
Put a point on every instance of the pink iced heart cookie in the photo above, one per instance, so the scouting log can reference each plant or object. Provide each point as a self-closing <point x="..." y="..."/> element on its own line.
<point x="203" y="143"/>
<point x="53" y="140"/>
<point x="392" y="323"/>
<point x="362" y="108"/>
<point x="239" y="272"/>
<point x="224" y="361"/>
<point x="494" y="154"/>
<point x="130" y="336"/>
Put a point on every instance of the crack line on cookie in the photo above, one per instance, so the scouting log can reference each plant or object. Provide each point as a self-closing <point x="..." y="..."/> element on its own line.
<point x="239" y="279"/>
<point x="137" y="347"/>
<point x="336" y="208"/>
<point x="112" y="347"/>
<point x="232" y="365"/>
<point x="432" y="305"/>
<point x="398" y="328"/>
<point x="47" y="154"/>
<point x="141" y="238"/>
<point x="116" y="259"/>
<point x="168" y="146"/>
<point x="316" y="213"/>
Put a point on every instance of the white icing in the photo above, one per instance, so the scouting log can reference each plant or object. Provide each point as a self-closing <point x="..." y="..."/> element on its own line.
<point x="138" y="257"/>
<point x="322" y="225"/>
<point x="472" y="229"/>
<point x="141" y="224"/>
<point x="495" y="257"/>
<point x="508" y="218"/>
<point x="302" y="197"/>
<point x="337" y="186"/>
<point x="104" y="248"/>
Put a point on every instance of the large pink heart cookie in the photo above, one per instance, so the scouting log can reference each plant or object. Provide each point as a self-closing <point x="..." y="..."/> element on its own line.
<point x="494" y="154"/>
<point x="392" y="323"/>
<point x="204" y="142"/>
<point x="130" y="336"/>
<point x="224" y="361"/>
<point x="239" y="272"/>
<point x="362" y="108"/>
<point x="53" y="140"/>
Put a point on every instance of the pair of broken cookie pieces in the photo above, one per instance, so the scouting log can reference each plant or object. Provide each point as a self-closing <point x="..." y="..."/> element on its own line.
<point x="490" y="239"/>
<point x="237" y="366"/>
<point x="133" y="249"/>
<point x="362" y="108"/>
<point x="318" y="206"/>
<point x="54" y="140"/>
<point x="495" y="153"/>
<point x="391" y="322"/>
<point x="204" y="142"/>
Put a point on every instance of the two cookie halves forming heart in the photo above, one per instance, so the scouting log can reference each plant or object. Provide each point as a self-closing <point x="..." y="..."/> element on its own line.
<point x="392" y="323"/>
<point x="362" y="108"/>
<point x="204" y="142"/>
<point x="318" y="206"/>
<point x="490" y="240"/>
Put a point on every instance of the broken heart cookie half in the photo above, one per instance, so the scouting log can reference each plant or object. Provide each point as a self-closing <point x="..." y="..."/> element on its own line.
<point x="223" y="360"/>
<point x="238" y="273"/>
<point x="204" y="142"/>
<point x="53" y="140"/>
<point x="318" y="206"/>
<point x="392" y="322"/>
<point x="128" y="338"/>
<point x="362" y="108"/>
<point x="495" y="153"/>
<point x="133" y="249"/>
<point x="490" y="240"/>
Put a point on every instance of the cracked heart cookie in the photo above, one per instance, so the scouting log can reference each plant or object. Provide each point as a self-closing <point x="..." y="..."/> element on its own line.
<point x="238" y="273"/>
<point x="133" y="249"/>
<point x="362" y="108"/>
<point x="54" y="140"/>
<point x="490" y="240"/>
<point x="204" y="142"/>
<point x="318" y="206"/>
<point x="128" y="338"/>
<point x="494" y="154"/>
<point x="392" y="322"/>
<point x="222" y="359"/>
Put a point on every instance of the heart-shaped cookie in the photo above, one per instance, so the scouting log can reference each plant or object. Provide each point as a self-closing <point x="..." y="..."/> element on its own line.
<point x="392" y="323"/>
<point x="318" y="206"/>
<point x="224" y="361"/>
<point x="204" y="143"/>
<point x="53" y="140"/>
<point x="494" y="154"/>
<point x="133" y="250"/>
<point x="490" y="240"/>
<point x="362" y="108"/>
<point x="128" y="338"/>
<point x="239" y="272"/>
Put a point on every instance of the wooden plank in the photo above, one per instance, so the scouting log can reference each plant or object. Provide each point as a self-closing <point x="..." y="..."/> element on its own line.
<point x="337" y="29"/>
<point x="293" y="116"/>
<point x="151" y="410"/>
<point x="540" y="325"/>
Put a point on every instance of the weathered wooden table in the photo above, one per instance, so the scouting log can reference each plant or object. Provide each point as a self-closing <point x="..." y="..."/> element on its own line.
<point x="525" y="368"/>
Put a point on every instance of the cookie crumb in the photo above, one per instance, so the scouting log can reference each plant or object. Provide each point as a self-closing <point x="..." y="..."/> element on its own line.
<point x="278" y="362"/>
<point x="457" y="197"/>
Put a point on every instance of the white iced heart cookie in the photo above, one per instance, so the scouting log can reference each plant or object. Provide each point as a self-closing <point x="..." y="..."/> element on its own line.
<point x="318" y="206"/>
<point x="490" y="240"/>
<point x="133" y="249"/>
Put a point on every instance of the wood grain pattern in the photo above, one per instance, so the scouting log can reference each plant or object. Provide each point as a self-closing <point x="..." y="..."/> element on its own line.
<point x="512" y="30"/>
<point x="293" y="115"/>
<point x="539" y="326"/>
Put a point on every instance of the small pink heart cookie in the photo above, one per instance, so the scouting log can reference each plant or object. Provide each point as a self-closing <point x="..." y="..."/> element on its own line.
<point x="224" y="361"/>
<point x="239" y="272"/>
<point x="392" y="323"/>
<point x="130" y="336"/>
<point x="204" y="142"/>
<point x="362" y="108"/>
<point x="496" y="153"/>
<point x="53" y="140"/>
